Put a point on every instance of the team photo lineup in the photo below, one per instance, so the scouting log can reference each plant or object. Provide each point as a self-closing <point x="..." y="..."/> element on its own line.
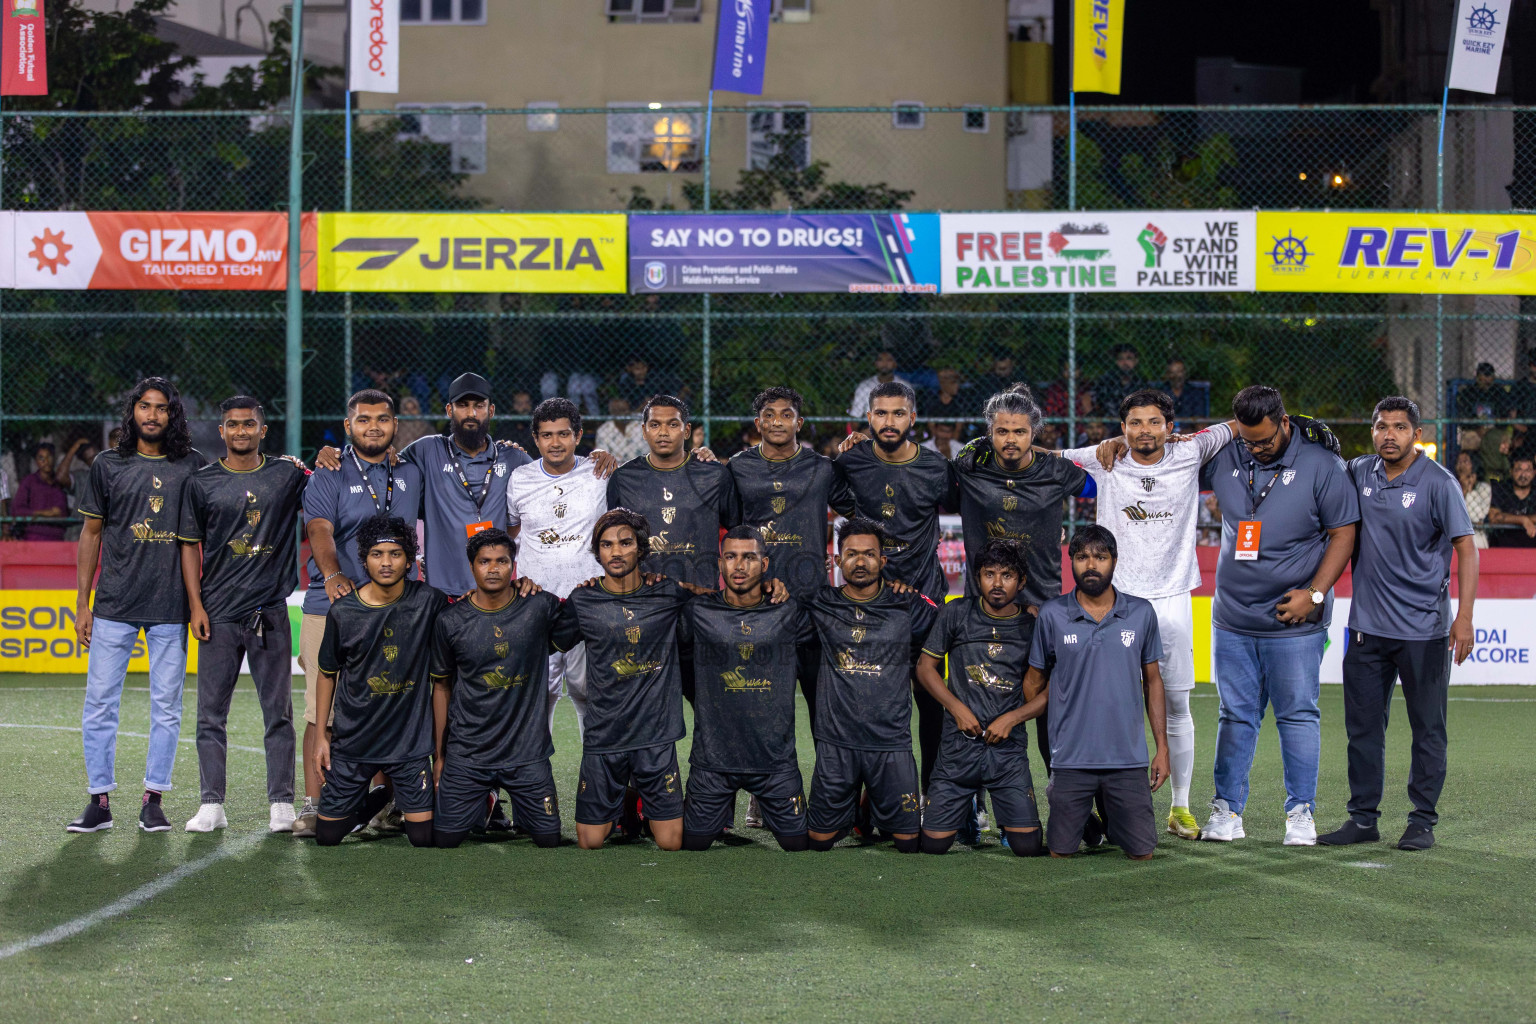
<point x="458" y="587"/>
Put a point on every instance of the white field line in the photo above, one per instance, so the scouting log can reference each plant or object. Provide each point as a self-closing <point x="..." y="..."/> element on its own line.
<point x="134" y="735"/>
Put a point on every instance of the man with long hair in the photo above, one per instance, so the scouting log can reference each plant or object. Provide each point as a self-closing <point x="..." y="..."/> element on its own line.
<point x="131" y="515"/>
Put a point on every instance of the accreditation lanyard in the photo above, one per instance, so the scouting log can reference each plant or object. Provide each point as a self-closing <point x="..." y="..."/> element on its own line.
<point x="389" y="485"/>
<point x="1254" y="501"/>
<point x="490" y="471"/>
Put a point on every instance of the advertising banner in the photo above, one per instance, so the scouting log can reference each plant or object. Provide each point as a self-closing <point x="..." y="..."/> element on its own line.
<point x="1417" y="253"/>
<point x="23" y="48"/>
<point x="1500" y="629"/>
<point x="472" y="252"/>
<point x="741" y="46"/>
<point x="127" y="250"/>
<point x="373" y="51"/>
<point x="7" y="249"/>
<point x="1479" y="44"/>
<point x="885" y="252"/>
<point x="1098" y="42"/>
<point x="1118" y="251"/>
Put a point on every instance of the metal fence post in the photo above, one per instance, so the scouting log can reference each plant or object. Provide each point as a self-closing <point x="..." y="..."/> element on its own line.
<point x="346" y="299"/>
<point x="709" y="123"/>
<point x="1070" y="441"/>
<point x="294" y="432"/>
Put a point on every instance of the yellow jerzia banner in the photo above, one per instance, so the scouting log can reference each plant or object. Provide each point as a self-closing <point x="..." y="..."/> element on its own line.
<point x="1415" y="253"/>
<point x="472" y="252"/>
<point x="1098" y="39"/>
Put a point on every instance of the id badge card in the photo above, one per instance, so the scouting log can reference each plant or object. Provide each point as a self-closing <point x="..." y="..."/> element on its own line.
<point x="1247" y="549"/>
<point x="473" y="528"/>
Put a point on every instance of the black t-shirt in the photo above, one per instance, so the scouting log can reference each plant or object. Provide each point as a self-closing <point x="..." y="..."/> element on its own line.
<point x="744" y="671"/>
<point x="138" y="499"/>
<point x="634" y="687"/>
<point x="1505" y="500"/>
<point x="381" y="657"/>
<point x="864" y="689"/>
<point x="247" y="522"/>
<point x="685" y="508"/>
<point x="988" y="656"/>
<point x="787" y="501"/>
<point x="1025" y="506"/>
<point x="497" y="666"/>
<point x="905" y="498"/>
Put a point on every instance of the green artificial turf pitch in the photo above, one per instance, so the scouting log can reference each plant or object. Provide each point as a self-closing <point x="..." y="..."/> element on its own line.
<point x="239" y="925"/>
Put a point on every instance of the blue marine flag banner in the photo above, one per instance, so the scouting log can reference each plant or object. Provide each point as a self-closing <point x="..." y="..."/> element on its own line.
<point x="741" y="46"/>
<point x="725" y="252"/>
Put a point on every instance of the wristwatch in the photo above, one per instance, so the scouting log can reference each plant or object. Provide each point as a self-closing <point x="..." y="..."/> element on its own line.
<point x="1317" y="595"/>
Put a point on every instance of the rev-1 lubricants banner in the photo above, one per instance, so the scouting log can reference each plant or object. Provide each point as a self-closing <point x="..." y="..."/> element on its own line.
<point x="1416" y="253"/>
<point x="1120" y="251"/>
<point x="472" y="252"/>
<point x="884" y="252"/>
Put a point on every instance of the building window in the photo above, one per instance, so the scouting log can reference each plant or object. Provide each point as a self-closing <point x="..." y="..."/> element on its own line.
<point x="548" y="120"/>
<point x="654" y="138"/>
<point x="906" y="114"/>
<point x="631" y="11"/>
<point x="976" y="120"/>
<point x="442" y="12"/>
<point x="453" y="124"/>
<point x="778" y="130"/>
<point x="792" y="10"/>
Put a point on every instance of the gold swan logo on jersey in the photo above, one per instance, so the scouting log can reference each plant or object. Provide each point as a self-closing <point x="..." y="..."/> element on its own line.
<point x="497" y="679"/>
<point x="737" y="681"/>
<point x="987" y="679"/>
<point x="145" y="533"/>
<point x="383" y="686"/>
<point x="849" y="663"/>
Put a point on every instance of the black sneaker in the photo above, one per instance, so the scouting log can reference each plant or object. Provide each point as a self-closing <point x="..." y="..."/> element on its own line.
<point x="1349" y="833"/>
<point x="152" y="818"/>
<point x="96" y="818"/>
<point x="1417" y="837"/>
<point x="1094" y="833"/>
<point x="497" y="820"/>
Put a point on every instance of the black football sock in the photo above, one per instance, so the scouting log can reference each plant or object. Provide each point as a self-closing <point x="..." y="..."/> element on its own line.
<point x="906" y="845"/>
<point x="697" y="843"/>
<point x="933" y="844"/>
<point x="793" y="844"/>
<point x="151" y="796"/>
<point x="331" y="833"/>
<point x="824" y="845"/>
<point x="546" y="840"/>
<point x="447" y="840"/>
<point x="418" y="832"/>
<point x="1025" y="844"/>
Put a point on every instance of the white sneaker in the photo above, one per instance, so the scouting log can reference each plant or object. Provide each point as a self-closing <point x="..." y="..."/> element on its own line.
<point x="208" y="818"/>
<point x="282" y="818"/>
<point x="1223" y="826"/>
<point x="754" y="814"/>
<point x="1299" y="828"/>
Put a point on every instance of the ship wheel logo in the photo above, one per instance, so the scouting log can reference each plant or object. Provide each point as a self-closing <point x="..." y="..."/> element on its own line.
<point x="1289" y="252"/>
<point x="1481" y="20"/>
<point x="50" y="251"/>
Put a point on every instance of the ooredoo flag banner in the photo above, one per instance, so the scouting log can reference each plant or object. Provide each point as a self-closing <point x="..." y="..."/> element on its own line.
<point x="741" y="46"/>
<point x="1098" y="40"/>
<point x="1479" y="44"/>
<point x="202" y="251"/>
<point x="23" y="49"/>
<point x="373" y="56"/>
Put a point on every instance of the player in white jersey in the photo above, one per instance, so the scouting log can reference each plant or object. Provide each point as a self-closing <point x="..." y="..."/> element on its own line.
<point x="552" y="505"/>
<point x="1150" y="502"/>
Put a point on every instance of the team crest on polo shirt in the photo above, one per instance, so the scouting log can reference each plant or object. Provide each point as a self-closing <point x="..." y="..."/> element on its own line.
<point x="1147" y="482"/>
<point x="501" y="469"/>
<point x="1127" y="636"/>
<point x="1408" y="497"/>
<point x="1287" y="477"/>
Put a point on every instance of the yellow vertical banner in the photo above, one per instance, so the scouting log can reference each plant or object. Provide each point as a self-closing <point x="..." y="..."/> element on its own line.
<point x="1098" y="40"/>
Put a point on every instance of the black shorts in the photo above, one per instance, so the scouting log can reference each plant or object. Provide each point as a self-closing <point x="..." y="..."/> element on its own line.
<point x="604" y="777"/>
<point x="711" y="797"/>
<point x="1127" y="803"/>
<point x="463" y="790"/>
<point x="346" y="785"/>
<point x="890" y="776"/>
<point x="1002" y="770"/>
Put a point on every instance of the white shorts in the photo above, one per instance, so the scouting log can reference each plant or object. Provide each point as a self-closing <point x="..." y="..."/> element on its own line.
<point x="1176" y="625"/>
<point x="571" y="669"/>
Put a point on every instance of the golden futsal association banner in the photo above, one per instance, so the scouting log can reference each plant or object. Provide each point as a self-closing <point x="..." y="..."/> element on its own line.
<point x="1420" y="253"/>
<point x="472" y="252"/>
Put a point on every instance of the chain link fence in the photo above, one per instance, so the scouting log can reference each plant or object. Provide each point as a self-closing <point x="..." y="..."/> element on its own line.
<point x="69" y="357"/>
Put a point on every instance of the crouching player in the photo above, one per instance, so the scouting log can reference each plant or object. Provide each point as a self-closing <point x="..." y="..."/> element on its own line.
<point x="986" y="639"/>
<point x="490" y="666"/>
<point x="744" y="656"/>
<point x="374" y="661"/>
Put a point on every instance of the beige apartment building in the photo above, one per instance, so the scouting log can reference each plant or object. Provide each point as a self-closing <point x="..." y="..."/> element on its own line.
<point x="631" y="61"/>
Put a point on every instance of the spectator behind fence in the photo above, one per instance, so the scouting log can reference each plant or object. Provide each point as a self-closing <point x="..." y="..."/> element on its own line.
<point x="79" y="481"/>
<point x="39" y="494"/>
<point x="1513" y="505"/>
<point x="1122" y="380"/>
<point x="885" y="372"/>
<point x="950" y="400"/>
<point x="518" y="430"/>
<point x="1478" y="404"/>
<point x="1002" y="376"/>
<point x="1476" y="493"/>
<point x="410" y="430"/>
<point x="621" y="435"/>
<point x="640" y="381"/>
<point x="1522" y="406"/>
<point x="1053" y="400"/>
<point x="943" y="438"/>
<point x="5" y="503"/>
<point x="1188" y="403"/>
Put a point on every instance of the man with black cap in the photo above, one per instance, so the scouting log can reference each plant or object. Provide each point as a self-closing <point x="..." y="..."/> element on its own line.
<point x="1477" y="405"/>
<point x="1522" y="406"/>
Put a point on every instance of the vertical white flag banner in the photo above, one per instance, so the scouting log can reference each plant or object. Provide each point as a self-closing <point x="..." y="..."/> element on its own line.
<point x="373" y="56"/>
<point x="1478" y="44"/>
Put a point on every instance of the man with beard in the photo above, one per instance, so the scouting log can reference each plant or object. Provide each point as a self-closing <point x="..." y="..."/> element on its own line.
<point x="864" y="731"/>
<point x="1288" y="515"/>
<point x="744" y="704"/>
<point x="1094" y="656"/>
<point x="336" y="505"/>
<point x="490" y="654"/>
<point x="897" y="483"/>
<point x="1412" y="517"/>
<point x="239" y="552"/>
<point x="131" y="514"/>
<point x="986" y="641"/>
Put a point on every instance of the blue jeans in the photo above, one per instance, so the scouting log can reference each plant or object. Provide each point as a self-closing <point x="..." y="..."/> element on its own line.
<point x="112" y="645"/>
<point x="1280" y="671"/>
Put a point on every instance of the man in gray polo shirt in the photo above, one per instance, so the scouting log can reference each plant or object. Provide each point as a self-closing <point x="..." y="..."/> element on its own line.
<point x="1412" y="517"/>
<point x="1288" y="515"/>
<point x="1094" y="652"/>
